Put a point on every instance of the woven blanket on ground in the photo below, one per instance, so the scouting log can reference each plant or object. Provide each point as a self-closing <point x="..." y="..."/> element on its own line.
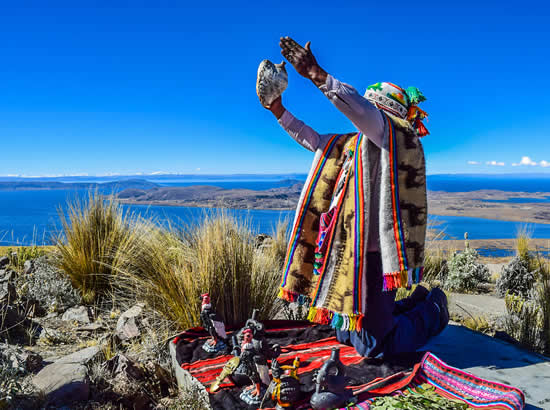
<point x="312" y="343"/>
<point x="333" y="281"/>
<point x="368" y="378"/>
<point x="451" y="383"/>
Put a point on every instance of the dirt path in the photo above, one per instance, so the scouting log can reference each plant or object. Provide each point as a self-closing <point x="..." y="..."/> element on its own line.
<point x="487" y="306"/>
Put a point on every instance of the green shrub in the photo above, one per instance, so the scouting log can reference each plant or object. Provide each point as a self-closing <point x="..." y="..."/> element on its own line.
<point x="95" y="234"/>
<point x="528" y="318"/>
<point x="516" y="278"/>
<point x="465" y="272"/>
<point x="48" y="287"/>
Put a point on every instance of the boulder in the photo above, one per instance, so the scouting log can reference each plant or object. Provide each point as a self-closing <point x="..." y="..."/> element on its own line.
<point x="4" y="261"/>
<point x="77" y="314"/>
<point x="83" y="356"/>
<point x="66" y="381"/>
<point x="129" y="323"/>
<point x="63" y="383"/>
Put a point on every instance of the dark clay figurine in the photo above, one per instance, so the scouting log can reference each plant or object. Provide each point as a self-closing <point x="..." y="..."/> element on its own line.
<point x="330" y="384"/>
<point x="285" y="387"/>
<point x="259" y="339"/>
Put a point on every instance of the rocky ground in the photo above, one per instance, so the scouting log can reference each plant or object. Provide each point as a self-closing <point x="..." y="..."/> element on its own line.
<point x="56" y="352"/>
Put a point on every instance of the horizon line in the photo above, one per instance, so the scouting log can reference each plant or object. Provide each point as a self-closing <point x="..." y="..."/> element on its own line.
<point x="175" y="174"/>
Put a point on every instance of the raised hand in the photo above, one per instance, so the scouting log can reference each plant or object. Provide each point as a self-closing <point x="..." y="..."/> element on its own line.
<point x="302" y="60"/>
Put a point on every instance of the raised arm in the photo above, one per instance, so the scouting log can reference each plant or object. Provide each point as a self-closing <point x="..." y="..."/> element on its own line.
<point x="365" y="116"/>
<point x="302" y="133"/>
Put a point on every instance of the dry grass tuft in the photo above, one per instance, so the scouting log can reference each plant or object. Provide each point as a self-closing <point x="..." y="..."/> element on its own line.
<point x="95" y="234"/>
<point x="477" y="323"/>
<point x="523" y="238"/>
<point x="435" y="255"/>
<point x="172" y="269"/>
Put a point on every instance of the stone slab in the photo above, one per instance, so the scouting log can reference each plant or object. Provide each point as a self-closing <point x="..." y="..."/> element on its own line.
<point x="495" y="360"/>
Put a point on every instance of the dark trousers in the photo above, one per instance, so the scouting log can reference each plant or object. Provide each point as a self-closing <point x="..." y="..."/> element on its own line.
<point x="386" y="333"/>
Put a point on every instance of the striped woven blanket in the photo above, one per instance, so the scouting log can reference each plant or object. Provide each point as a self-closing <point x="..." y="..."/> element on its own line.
<point x="367" y="378"/>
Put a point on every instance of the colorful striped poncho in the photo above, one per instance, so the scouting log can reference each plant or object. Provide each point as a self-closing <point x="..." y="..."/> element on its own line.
<point x="334" y="283"/>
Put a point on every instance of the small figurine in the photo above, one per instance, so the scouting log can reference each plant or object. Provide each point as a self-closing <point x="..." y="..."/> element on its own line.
<point x="285" y="387"/>
<point x="248" y="366"/>
<point x="213" y="324"/>
<point x="259" y="339"/>
<point x="254" y="367"/>
<point x="330" y="385"/>
<point x="271" y="81"/>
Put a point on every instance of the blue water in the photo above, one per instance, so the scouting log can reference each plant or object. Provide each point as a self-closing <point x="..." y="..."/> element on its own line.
<point x="28" y="217"/>
<point x="511" y="183"/>
<point x="32" y="216"/>
<point x="479" y="228"/>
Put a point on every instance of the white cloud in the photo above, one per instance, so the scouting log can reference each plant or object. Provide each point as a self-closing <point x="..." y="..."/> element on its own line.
<point x="197" y="169"/>
<point x="473" y="162"/>
<point x="495" y="163"/>
<point x="527" y="161"/>
<point x="544" y="163"/>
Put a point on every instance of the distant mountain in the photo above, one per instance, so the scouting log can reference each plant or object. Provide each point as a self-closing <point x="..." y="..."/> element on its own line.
<point x="106" y="186"/>
<point x="159" y="177"/>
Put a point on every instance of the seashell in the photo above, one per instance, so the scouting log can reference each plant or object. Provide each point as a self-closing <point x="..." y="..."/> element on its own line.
<point x="272" y="80"/>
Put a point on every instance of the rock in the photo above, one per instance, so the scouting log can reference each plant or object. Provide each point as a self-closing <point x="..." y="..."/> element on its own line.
<point x="123" y="365"/>
<point x="63" y="383"/>
<point x="4" y="261"/>
<point x="50" y="336"/>
<point x="131" y="379"/>
<point x="66" y="380"/>
<point x="77" y="314"/>
<point x="83" y="356"/>
<point x="28" y="267"/>
<point x="20" y="358"/>
<point x="92" y="327"/>
<point x="7" y="286"/>
<point x="129" y="323"/>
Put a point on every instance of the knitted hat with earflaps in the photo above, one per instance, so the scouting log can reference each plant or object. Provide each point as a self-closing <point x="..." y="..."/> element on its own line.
<point x="399" y="102"/>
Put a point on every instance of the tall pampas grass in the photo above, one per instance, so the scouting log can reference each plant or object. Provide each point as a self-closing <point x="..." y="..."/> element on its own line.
<point x="92" y="243"/>
<point x="171" y="269"/>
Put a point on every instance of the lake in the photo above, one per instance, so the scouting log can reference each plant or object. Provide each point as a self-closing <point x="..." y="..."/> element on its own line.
<point x="32" y="216"/>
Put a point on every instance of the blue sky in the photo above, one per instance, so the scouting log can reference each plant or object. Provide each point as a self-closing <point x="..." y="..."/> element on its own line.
<point x="127" y="87"/>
